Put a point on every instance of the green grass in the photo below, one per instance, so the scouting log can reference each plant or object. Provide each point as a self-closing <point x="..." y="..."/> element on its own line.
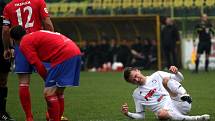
<point x="100" y="95"/>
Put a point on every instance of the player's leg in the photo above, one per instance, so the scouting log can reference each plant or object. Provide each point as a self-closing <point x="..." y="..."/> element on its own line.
<point x="174" y="57"/>
<point x="61" y="103"/>
<point x="23" y="69"/>
<point x="170" y="111"/>
<point x="52" y="103"/>
<point x="167" y="55"/>
<point x="207" y="51"/>
<point x="3" y="92"/>
<point x="50" y="94"/>
<point x="174" y="115"/>
<point x="183" y="107"/>
<point x="3" y="97"/>
<point x="24" y="95"/>
<point x="68" y="74"/>
<point x="4" y="70"/>
<point x="60" y="95"/>
<point x="199" y="52"/>
<point x="176" y="90"/>
<point x="197" y="63"/>
<point x="206" y="62"/>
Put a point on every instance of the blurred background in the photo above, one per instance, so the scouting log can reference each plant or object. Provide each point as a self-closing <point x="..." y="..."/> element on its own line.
<point x="114" y="33"/>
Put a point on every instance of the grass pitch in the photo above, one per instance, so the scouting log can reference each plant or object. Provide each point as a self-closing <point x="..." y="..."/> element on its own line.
<point x="100" y="95"/>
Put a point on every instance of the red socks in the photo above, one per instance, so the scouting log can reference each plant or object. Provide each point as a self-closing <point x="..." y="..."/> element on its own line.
<point x="55" y="104"/>
<point x="53" y="107"/>
<point x="61" y="102"/>
<point x="24" y="95"/>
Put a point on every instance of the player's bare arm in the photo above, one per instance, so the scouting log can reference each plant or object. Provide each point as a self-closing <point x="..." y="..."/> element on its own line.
<point x="48" y="24"/>
<point x="8" y="53"/>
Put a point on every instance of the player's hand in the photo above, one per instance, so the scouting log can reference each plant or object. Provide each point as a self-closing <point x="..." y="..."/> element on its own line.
<point x="7" y="54"/>
<point x="125" y="109"/>
<point x="173" y="69"/>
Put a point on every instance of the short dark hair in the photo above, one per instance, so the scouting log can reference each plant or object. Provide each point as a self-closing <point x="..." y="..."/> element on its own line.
<point x="17" y="32"/>
<point x="127" y="72"/>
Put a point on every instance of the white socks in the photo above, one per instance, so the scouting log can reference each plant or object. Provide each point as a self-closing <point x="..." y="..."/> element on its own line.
<point x="177" y="116"/>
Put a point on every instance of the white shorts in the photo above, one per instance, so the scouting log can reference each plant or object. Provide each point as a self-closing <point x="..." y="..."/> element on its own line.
<point x="181" y="107"/>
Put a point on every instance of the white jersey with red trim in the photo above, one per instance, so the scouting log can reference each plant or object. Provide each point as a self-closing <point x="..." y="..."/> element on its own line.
<point x="152" y="95"/>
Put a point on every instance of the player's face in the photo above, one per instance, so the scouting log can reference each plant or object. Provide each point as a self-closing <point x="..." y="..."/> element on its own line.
<point x="136" y="77"/>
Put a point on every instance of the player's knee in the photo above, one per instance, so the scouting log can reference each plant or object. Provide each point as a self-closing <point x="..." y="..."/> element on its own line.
<point x="49" y="91"/>
<point x="24" y="78"/>
<point x="163" y="115"/>
<point x="60" y="91"/>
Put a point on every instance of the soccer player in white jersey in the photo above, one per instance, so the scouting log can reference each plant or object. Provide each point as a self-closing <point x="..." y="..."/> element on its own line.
<point x="161" y="93"/>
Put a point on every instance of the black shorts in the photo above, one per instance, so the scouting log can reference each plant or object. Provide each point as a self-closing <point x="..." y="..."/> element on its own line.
<point x="204" y="46"/>
<point x="4" y="64"/>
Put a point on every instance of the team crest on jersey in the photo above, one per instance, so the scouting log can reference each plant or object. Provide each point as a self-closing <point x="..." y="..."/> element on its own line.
<point x="154" y="81"/>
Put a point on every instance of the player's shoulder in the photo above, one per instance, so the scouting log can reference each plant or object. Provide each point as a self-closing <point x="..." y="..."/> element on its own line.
<point x="14" y="4"/>
<point x="8" y="5"/>
<point x="162" y="72"/>
<point x="157" y="73"/>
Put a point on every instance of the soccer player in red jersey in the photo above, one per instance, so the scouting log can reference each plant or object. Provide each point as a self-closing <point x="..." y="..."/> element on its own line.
<point x="64" y="56"/>
<point x="31" y="14"/>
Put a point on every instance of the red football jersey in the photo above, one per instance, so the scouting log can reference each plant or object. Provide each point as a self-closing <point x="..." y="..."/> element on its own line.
<point x="27" y="13"/>
<point x="49" y="47"/>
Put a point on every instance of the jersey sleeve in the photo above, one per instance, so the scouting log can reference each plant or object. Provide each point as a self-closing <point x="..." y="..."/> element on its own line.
<point x="178" y="77"/>
<point x="43" y="9"/>
<point x="139" y="114"/>
<point x="32" y="57"/>
<point x="138" y="106"/>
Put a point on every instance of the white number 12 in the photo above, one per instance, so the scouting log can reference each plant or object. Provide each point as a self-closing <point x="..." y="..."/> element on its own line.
<point x="28" y="23"/>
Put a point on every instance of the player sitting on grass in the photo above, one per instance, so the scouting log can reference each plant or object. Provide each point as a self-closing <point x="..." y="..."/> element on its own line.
<point x="161" y="93"/>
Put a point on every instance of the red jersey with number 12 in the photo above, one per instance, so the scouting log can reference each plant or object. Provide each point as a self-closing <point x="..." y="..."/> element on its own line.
<point x="27" y="13"/>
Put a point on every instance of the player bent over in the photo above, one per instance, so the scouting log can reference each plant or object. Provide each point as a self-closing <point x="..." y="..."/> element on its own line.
<point x="64" y="56"/>
<point x="162" y="93"/>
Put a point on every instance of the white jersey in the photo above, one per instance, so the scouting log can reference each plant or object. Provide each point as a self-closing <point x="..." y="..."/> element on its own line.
<point x="152" y="95"/>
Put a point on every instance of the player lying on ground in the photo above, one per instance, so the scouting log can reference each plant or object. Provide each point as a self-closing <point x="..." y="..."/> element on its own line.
<point x="64" y="56"/>
<point x="161" y="93"/>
